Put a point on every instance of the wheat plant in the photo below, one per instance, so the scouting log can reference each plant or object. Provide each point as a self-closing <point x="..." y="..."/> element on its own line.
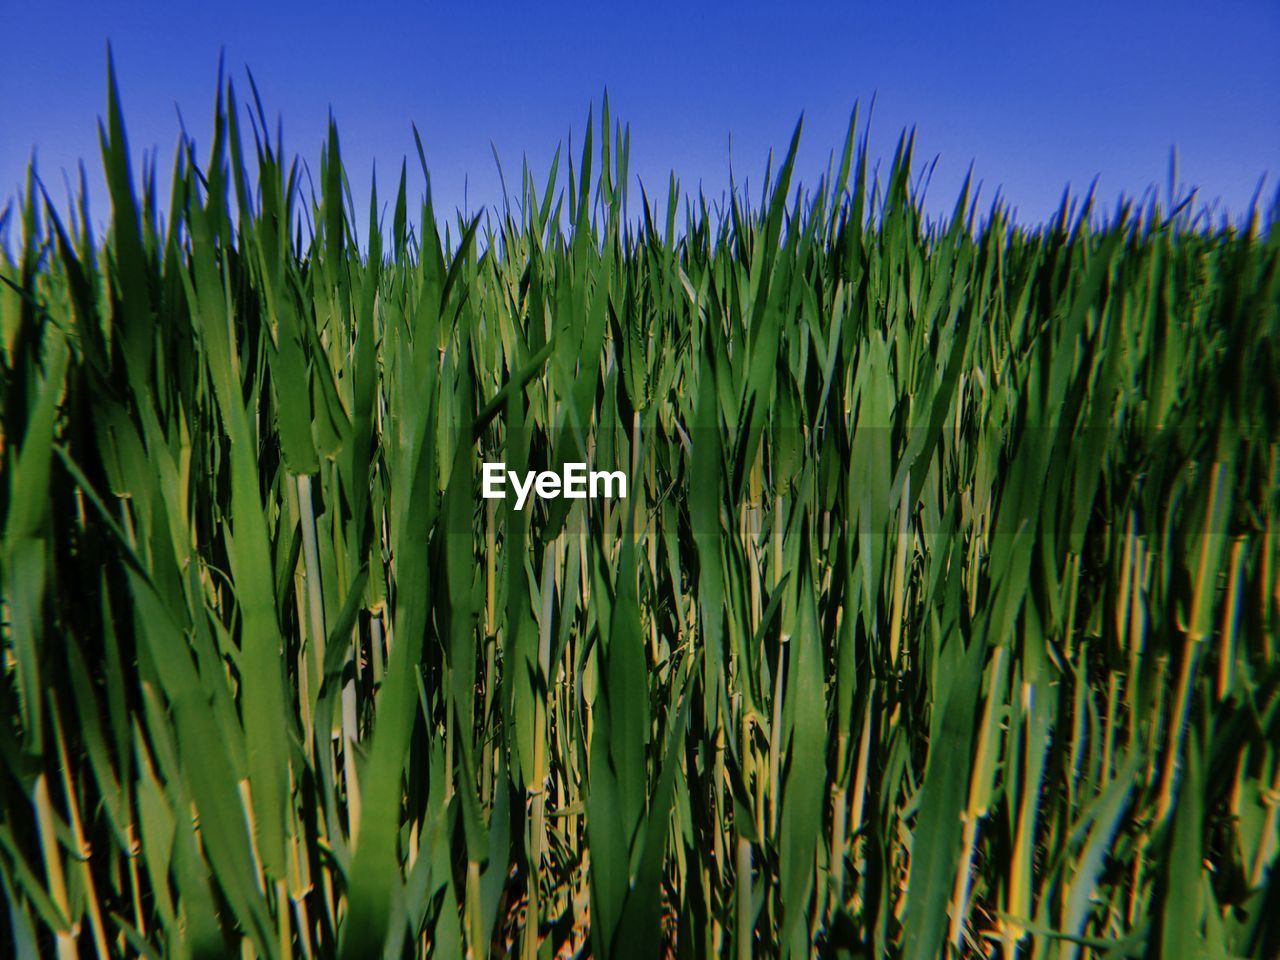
<point x="940" y="618"/>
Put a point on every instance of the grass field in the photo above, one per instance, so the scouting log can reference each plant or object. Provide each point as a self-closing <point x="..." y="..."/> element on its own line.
<point x="940" y="619"/>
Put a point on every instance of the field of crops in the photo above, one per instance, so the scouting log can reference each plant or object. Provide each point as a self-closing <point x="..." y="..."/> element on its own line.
<point x="940" y="618"/>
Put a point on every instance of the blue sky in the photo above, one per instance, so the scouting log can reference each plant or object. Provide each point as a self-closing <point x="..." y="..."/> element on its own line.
<point x="1034" y="95"/>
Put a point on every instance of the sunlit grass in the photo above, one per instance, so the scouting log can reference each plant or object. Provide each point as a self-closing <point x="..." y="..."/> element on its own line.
<point x="940" y="618"/>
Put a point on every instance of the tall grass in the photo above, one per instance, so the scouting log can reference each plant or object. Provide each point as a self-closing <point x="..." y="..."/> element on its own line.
<point x="941" y="618"/>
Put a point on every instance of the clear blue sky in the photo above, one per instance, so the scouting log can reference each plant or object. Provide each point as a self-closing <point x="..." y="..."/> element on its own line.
<point x="1035" y="95"/>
